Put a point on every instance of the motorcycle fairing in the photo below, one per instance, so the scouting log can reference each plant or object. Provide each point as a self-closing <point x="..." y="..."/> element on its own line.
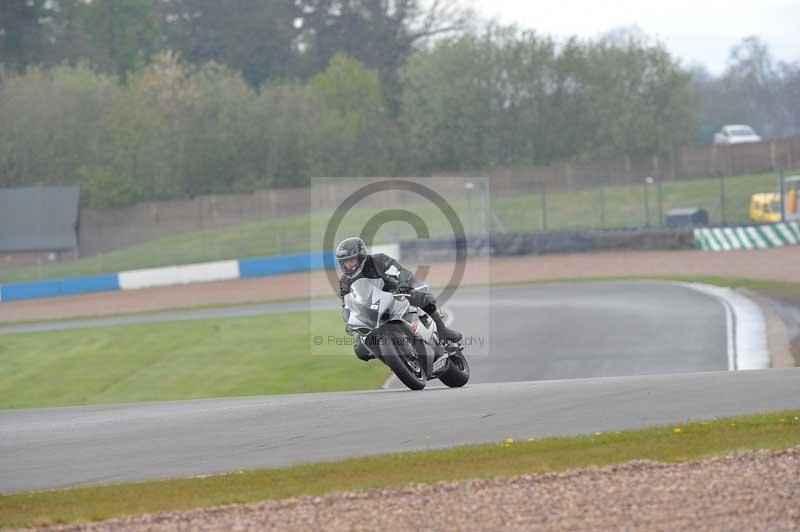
<point x="370" y="306"/>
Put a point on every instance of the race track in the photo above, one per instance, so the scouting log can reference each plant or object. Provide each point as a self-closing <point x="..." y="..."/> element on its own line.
<point x="579" y="330"/>
<point x="561" y="333"/>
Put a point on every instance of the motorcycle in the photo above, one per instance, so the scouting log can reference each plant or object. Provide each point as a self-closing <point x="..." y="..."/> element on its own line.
<point x="402" y="336"/>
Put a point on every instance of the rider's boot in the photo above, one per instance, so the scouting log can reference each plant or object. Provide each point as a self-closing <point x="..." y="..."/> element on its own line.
<point x="445" y="332"/>
<point x="362" y="351"/>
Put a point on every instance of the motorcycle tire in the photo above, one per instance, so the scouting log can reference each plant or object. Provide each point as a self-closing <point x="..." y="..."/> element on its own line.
<point x="400" y="356"/>
<point x="457" y="372"/>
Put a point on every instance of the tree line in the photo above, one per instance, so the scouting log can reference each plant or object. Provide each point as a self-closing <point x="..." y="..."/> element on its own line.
<point x="754" y="90"/>
<point x="157" y="99"/>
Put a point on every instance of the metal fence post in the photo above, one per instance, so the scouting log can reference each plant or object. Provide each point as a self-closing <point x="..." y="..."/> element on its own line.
<point x="660" y="195"/>
<point x="469" y="186"/>
<point x="602" y="204"/>
<point x="646" y="200"/>
<point x="782" y="188"/>
<point x="543" y="197"/>
<point x="243" y="252"/>
<point x="484" y="207"/>
<point x="722" y="199"/>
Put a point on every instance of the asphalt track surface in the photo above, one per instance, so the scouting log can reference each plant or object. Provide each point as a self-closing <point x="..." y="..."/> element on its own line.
<point x="653" y="335"/>
<point x="536" y="332"/>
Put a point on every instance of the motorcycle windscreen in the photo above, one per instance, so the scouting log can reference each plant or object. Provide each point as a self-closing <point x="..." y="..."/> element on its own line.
<point x="370" y="306"/>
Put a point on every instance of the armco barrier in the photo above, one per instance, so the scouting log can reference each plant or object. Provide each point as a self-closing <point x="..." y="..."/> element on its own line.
<point x="283" y="264"/>
<point x="172" y="275"/>
<point x="747" y="237"/>
<point x="59" y="287"/>
<point x="300" y="262"/>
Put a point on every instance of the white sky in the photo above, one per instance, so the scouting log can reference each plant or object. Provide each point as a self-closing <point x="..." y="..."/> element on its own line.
<point x="697" y="31"/>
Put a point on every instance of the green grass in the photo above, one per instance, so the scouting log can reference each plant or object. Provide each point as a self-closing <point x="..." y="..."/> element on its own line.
<point x="624" y="207"/>
<point x="694" y="441"/>
<point x="267" y="354"/>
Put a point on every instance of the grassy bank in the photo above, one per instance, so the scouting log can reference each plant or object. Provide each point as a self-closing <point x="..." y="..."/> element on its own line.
<point x="672" y="443"/>
<point x="623" y="207"/>
<point x="268" y="354"/>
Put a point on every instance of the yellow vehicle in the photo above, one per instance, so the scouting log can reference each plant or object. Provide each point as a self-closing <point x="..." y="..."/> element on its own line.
<point x="765" y="207"/>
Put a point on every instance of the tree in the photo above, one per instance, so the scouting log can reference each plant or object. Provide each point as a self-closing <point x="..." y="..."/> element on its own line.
<point x="640" y="98"/>
<point x="510" y="97"/>
<point x="352" y="132"/>
<point x="381" y="34"/>
<point x="753" y="90"/>
<point x="123" y="34"/>
<point x="22" y="33"/>
<point x="52" y="124"/>
<point x="448" y="105"/>
<point x="280" y="141"/>
<point x="789" y="94"/>
<point x="176" y="131"/>
<point x="254" y="37"/>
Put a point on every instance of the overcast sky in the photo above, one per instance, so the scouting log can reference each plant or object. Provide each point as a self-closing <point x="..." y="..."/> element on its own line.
<point x="697" y="31"/>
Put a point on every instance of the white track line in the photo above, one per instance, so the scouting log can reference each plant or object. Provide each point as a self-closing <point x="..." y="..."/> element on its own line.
<point x="746" y="327"/>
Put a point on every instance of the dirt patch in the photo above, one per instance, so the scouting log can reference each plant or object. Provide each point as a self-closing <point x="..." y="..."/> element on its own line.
<point x="752" y="490"/>
<point x="772" y="264"/>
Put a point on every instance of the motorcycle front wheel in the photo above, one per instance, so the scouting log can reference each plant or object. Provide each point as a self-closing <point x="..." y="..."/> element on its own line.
<point x="401" y="357"/>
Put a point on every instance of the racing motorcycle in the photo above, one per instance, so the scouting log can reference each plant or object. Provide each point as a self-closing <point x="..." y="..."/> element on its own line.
<point x="402" y="336"/>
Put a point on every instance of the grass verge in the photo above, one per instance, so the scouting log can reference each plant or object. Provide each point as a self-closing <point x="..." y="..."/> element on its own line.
<point x="691" y="441"/>
<point x="267" y="354"/>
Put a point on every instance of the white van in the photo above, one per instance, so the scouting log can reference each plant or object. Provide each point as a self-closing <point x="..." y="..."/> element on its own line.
<point x="736" y="134"/>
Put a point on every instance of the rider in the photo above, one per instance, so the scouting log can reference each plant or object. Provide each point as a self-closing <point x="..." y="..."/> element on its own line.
<point x="355" y="263"/>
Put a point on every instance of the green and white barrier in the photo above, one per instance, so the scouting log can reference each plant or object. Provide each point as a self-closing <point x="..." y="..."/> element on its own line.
<point x="749" y="237"/>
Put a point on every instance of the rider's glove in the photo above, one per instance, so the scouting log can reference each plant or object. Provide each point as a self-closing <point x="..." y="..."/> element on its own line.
<point x="344" y="286"/>
<point x="404" y="281"/>
<point x="421" y="299"/>
<point x="404" y="289"/>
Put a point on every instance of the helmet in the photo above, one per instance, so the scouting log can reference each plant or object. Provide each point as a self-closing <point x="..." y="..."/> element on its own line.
<point x="351" y="248"/>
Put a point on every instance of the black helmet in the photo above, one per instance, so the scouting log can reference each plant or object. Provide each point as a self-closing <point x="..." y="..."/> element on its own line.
<point x="350" y="248"/>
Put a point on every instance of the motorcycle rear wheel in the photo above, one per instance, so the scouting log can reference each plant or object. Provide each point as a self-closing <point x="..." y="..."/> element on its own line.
<point x="457" y="372"/>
